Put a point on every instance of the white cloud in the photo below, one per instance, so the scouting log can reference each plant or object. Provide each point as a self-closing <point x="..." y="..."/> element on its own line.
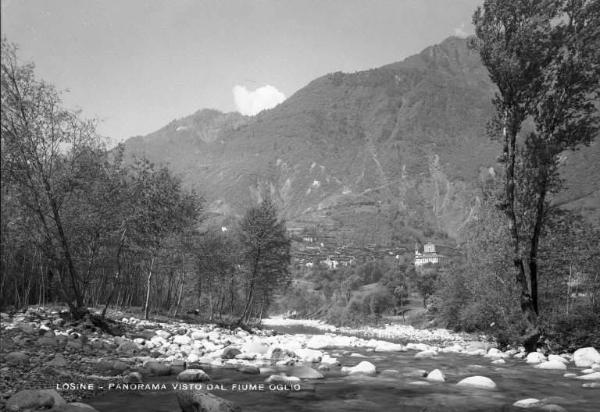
<point x="250" y="103"/>
<point x="460" y="31"/>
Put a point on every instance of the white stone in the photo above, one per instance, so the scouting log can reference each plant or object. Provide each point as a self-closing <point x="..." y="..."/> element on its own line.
<point x="389" y="347"/>
<point x="255" y="347"/>
<point x="426" y="354"/>
<point x="182" y="340"/>
<point x="357" y="355"/>
<point x="478" y="382"/>
<point x="535" y="357"/>
<point x="590" y="377"/>
<point x="557" y="358"/>
<point x="363" y="368"/>
<point x="527" y="403"/>
<point x="586" y="357"/>
<point x="436" y="375"/>
<point x="499" y="362"/>
<point x="569" y="375"/>
<point x="309" y="355"/>
<point x="163" y="334"/>
<point x="552" y="364"/>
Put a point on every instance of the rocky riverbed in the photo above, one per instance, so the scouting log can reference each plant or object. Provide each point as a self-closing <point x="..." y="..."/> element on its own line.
<point x="48" y="361"/>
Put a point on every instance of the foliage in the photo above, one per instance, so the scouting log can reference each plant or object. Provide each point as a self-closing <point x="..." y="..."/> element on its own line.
<point x="543" y="57"/>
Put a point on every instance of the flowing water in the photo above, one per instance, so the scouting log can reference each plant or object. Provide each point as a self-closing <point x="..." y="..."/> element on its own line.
<point x="405" y="391"/>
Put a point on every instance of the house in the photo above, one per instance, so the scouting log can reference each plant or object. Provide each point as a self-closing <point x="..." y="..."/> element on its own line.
<point x="429" y="255"/>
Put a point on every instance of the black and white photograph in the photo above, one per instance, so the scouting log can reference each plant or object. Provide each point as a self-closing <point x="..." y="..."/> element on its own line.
<point x="300" y="205"/>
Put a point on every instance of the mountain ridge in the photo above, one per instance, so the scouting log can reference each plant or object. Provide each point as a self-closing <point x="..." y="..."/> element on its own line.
<point x="388" y="155"/>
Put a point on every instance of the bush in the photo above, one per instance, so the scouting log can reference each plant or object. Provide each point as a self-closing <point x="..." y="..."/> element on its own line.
<point x="578" y="329"/>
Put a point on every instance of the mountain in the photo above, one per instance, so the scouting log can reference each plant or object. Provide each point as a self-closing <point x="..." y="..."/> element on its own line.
<point x="385" y="156"/>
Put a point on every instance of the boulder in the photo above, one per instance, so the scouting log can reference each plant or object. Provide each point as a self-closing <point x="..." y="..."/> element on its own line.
<point x="477" y="382"/>
<point x="193" y="375"/>
<point x="34" y="399"/>
<point x="586" y="357"/>
<point x="305" y="372"/>
<point x="436" y="375"/>
<point x="74" y="407"/>
<point x="163" y="334"/>
<point x="255" y="348"/>
<point x="158" y="368"/>
<point x="535" y="357"/>
<point x="527" y="403"/>
<point x="204" y="402"/>
<point x="182" y="340"/>
<point x="230" y="352"/>
<point x="17" y="358"/>
<point x="133" y="377"/>
<point x="363" y="368"/>
<point x="552" y="364"/>
<point x="426" y="354"/>
<point x="127" y="348"/>
<point x="590" y="377"/>
<point x="282" y="378"/>
<point x="309" y="355"/>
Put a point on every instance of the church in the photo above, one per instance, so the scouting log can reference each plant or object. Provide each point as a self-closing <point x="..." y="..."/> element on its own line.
<point x="429" y="255"/>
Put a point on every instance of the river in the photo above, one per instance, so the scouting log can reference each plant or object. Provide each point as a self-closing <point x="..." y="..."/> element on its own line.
<point x="406" y="390"/>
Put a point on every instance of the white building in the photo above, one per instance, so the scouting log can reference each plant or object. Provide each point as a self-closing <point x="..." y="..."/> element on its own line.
<point x="429" y="255"/>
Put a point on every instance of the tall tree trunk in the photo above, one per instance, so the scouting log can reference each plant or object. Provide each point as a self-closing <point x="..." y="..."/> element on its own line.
<point x="534" y="246"/>
<point x="147" y="306"/>
<point x="532" y="333"/>
<point x="179" y="296"/>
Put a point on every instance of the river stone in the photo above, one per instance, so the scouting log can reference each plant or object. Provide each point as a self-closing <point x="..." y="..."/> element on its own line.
<point x="204" y="402"/>
<point x="255" y="348"/>
<point x="499" y="362"/>
<point x="59" y="361"/>
<point x="435" y="375"/>
<point x="163" y="334"/>
<point x="477" y="382"/>
<point x="34" y="399"/>
<point x="193" y="375"/>
<point x="426" y="354"/>
<point x="305" y="372"/>
<point x="552" y="364"/>
<point x="309" y="355"/>
<point x="74" y="407"/>
<point x="230" y="352"/>
<point x="590" y="377"/>
<point x="283" y="379"/>
<point x="363" y="368"/>
<point x="586" y="357"/>
<point x="133" y="377"/>
<point x="127" y="348"/>
<point x="535" y="357"/>
<point x="591" y="385"/>
<point x="557" y="358"/>
<point x="17" y="358"/>
<point x="182" y="340"/>
<point x="527" y="403"/>
<point x="158" y="368"/>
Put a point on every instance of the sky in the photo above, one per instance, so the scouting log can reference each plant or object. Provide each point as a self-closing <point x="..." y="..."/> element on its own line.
<point x="136" y="65"/>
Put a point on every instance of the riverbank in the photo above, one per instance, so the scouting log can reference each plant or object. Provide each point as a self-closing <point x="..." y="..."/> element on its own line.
<point x="40" y="349"/>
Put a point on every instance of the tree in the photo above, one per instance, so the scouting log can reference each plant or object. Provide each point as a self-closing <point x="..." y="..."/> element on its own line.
<point x="45" y="148"/>
<point x="265" y="251"/>
<point x="543" y="57"/>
